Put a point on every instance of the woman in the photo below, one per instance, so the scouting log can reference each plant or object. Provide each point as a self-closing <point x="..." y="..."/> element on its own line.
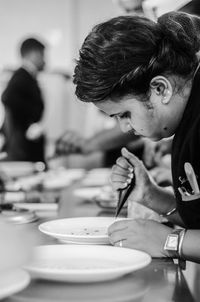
<point x="146" y="74"/>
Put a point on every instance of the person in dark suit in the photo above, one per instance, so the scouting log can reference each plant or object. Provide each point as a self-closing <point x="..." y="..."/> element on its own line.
<point x="24" y="106"/>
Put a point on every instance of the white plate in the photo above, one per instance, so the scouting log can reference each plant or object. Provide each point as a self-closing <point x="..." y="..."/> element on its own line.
<point x="20" y="168"/>
<point x="61" y="177"/>
<point x="88" y="193"/>
<point x="12" y="282"/>
<point x="80" y="230"/>
<point x="73" y="263"/>
<point x="52" y="179"/>
<point x="97" y="177"/>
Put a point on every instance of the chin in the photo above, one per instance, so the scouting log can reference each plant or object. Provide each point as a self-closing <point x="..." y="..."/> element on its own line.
<point x="155" y="138"/>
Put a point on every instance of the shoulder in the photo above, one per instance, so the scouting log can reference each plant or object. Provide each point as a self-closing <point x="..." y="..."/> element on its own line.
<point x="22" y="73"/>
<point x="21" y="76"/>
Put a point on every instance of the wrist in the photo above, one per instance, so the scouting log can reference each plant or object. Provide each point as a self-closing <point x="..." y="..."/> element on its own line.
<point x="149" y="193"/>
<point x="160" y="200"/>
<point x="173" y="246"/>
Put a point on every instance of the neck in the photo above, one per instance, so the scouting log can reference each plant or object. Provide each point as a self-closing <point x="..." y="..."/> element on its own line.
<point x="30" y="67"/>
<point x="179" y="103"/>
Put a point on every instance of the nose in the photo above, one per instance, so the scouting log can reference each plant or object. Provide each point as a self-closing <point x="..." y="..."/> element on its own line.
<point x="125" y="126"/>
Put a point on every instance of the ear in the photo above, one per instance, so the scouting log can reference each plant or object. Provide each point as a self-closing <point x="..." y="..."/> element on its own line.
<point x="162" y="87"/>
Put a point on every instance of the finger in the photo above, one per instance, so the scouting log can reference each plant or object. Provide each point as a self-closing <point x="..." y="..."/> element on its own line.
<point x="120" y="171"/>
<point x="63" y="148"/>
<point x="75" y="140"/>
<point x="124" y="163"/>
<point x="116" y="170"/>
<point x="121" y="243"/>
<point x="118" y="225"/>
<point x="119" y="185"/>
<point x="131" y="158"/>
<point x="121" y="178"/>
<point x="59" y="148"/>
<point x="116" y="237"/>
<point x="64" y="136"/>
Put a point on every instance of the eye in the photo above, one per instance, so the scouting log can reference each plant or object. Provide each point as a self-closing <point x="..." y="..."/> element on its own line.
<point x="126" y="114"/>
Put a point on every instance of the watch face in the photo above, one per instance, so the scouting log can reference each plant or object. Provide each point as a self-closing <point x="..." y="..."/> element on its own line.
<point x="171" y="242"/>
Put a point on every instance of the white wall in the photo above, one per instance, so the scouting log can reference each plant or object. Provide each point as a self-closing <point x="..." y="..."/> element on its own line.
<point x="91" y="12"/>
<point x="64" y="24"/>
<point x="50" y="19"/>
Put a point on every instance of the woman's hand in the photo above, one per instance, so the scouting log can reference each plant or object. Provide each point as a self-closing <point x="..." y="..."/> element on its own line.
<point x="145" y="235"/>
<point x="127" y="167"/>
<point x="35" y="131"/>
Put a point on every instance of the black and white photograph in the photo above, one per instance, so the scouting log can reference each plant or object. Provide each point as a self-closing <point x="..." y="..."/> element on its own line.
<point x="100" y="150"/>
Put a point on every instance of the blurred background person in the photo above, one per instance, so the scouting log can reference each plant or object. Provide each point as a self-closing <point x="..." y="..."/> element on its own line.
<point x="130" y="6"/>
<point x="109" y="141"/>
<point x="24" y="106"/>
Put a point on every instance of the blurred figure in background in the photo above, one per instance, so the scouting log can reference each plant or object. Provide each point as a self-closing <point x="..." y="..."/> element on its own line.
<point x="109" y="141"/>
<point x="130" y="6"/>
<point x="24" y="106"/>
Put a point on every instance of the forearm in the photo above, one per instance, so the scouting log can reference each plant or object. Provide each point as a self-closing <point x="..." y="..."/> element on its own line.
<point x="108" y="139"/>
<point x="162" y="201"/>
<point x="191" y="244"/>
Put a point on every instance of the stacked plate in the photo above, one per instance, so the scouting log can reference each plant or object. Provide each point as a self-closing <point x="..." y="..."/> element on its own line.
<point x="85" y="263"/>
<point x="14" y="169"/>
<point x="81" y="230"/>
<point x="12" y="282"/>
<point x="88" y="256"/>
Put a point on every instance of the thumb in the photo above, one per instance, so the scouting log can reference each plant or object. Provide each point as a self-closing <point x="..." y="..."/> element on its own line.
<point x="132" y="159"/>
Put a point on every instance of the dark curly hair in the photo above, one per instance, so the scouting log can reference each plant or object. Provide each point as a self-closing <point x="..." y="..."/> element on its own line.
<point x="122" y="55"/>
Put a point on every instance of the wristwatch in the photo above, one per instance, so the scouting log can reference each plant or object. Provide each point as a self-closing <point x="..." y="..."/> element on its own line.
<point x="172" y="243"/>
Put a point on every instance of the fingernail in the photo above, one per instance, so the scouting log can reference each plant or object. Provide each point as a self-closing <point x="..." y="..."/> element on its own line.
<point x="128" y="180"/>
<point x="130" y="175"/>
<point x="130" y="169"/>
<point x="125" y="184"/>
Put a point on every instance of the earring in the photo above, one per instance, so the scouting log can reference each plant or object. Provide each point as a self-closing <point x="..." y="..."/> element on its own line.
<point x="165" y="97"/>
<point x="165" y="100"/>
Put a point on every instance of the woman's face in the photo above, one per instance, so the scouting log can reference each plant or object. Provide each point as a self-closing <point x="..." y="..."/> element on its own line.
<point x="149" y="119"/>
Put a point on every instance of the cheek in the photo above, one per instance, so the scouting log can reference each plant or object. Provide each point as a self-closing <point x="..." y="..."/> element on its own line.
<point x="144" y="124"/>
